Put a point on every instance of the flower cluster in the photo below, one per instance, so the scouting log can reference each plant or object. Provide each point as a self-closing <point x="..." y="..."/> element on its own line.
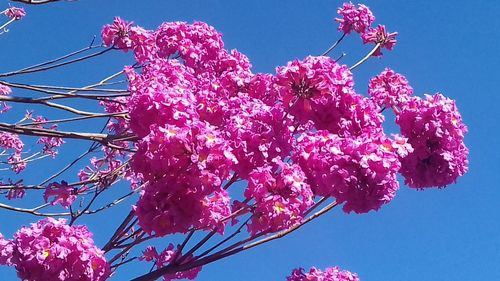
<point x="53" y="250"/>
<point x="354" y="19"/>
<point x="358" y="171"/>
<point x="116" y="34"/>
<point x="15" y="13"/>
<point x="202" y="121"/>
<point x="167" y="256"/>
<point x="390" y="89"/>
<point x="12" y="142"/>
<point x="360" y="20"/>
<point x="380" y="36"/>
<point x="318" y="89"/>
<point x="280" y="201"/>
<point x="435" y="130"/>
<point x="63" y="194"/>
<point x="329" y="274"/>
<point x="4" y="91"/>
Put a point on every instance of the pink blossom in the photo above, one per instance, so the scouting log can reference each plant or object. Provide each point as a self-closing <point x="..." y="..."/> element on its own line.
<point x="435" y="130"/>
<point x="53" y="250"/>
<point x="143" y="44"/>
<point x="257" y="133"/>
<point x="63" y="193"/>
<point x="177" y="204"/>
<point x="17" y="190"/>
<point x="162" y="94"/>
<point x="4" y="91"/>
<point x="357" y="19"/>
<point x="167" y="257"/>
<point x="390" y="89"/>
<point x="6" y="249"/>
<point x="330" y="274"/>
<point x="117" y="34"/>
<point x="317" y="89"/>
<point x="13" y="143"/>
<point x="380" y="36"/>
<point x="280" y="199"/>
<point x="360" y="172"/>
<point x="198" y="44"/>
<point x="15" y="13"/>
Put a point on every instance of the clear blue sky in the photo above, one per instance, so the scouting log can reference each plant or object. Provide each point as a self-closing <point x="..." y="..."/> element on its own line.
<point x="446" y="46"/>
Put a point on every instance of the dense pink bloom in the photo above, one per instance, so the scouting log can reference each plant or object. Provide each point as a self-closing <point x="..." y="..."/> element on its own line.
<point x="258" y="133"/>
<point x="434" y="128"/>
<point x="116" y="34"/>
<point x="143" y="44"/>
<point x="330" y="274"/>
<point x="63" y="194"/>
<point x="380" y="36"/>
<point x="170" y="150"/>
<point x="6" y="248"/>
<point x="179" y="204"/>
<point x="317" y="89"/>
<point x="52" y="250"/>
<point x="357" y="19"/>
<point x="15" y="13"/>
<point x="280" y="198"/>
<point x="166" y="257"/>
<point x="360" y="172"/>
<point x="390" y="89"/>
<point x="198" y="44"/>
<point x="161" y="94"/>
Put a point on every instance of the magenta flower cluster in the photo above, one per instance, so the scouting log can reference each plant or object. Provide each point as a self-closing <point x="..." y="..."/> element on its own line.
<point x="15" y="13"/>
<point x="390" y="89"/>
<point x="204" y="119"/>
<point x="167" y="256"/>
<point x="329" y="274"/>
<point x="360" y="20"/>
<point x="435" y="130"/>
<point x="54" y="251"/>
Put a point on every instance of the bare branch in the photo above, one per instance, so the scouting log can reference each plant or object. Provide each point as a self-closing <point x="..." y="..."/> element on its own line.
<point x="40" y="2"/>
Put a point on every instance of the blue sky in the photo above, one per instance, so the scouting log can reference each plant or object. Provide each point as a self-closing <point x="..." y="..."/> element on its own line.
<point x="443" y="46"/>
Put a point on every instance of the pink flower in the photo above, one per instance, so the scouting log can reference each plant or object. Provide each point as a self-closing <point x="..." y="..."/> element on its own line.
<point x="358" y="19"/>
<point x="166" y="257"/>
<point x="53" y="250"/>
<point x="15" y="13"/>
<point x="317" y="89"/>
<point x="435" y="130"/>
<point x="330" y="274"/>
<point x="117" y="34"/>
<point x="63" y="193"/>
<point x="198" y="44"/>
<point x="380" y="36"/>
<point x="177" y="204"/>
<point x="390" y="89"/>
<point x="6" y="248"/>
<point x="280" y="198"/>
<point x="358" y="171"/>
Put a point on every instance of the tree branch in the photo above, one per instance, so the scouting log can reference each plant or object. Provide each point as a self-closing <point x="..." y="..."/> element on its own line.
<point x="40" y="2"/>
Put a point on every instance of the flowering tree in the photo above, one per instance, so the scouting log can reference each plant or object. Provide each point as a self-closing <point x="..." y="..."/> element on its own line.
<point x="209" y="147"/>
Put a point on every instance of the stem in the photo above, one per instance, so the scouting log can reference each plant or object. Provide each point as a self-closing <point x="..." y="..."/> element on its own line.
<point x="334" y="45"/>
<point x="217" y="256"/>
<point x="366" y="57"/>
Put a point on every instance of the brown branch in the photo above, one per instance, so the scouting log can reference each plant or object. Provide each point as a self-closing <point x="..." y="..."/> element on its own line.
<point x="220" y="255"/>
<point x="41" y="132"/>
